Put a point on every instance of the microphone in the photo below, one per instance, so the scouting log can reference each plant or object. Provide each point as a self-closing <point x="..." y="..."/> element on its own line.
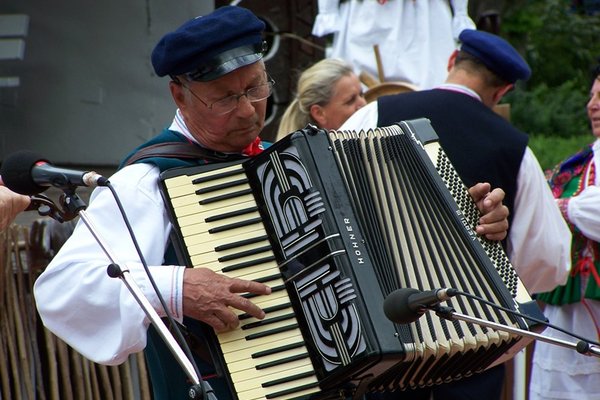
<point x="406" y="305"/>
<point x="28" y="173"/>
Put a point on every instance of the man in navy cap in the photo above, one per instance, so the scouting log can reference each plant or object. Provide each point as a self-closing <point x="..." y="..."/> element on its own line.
<point x="485" y="147"/>
<point x="220" y="86"/>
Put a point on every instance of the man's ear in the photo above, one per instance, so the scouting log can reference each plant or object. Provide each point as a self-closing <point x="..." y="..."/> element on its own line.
<point x="501" y="91"/>
<point x="177" y="89"/>
<point x="318" y="114"/>
<point x="452" y="60"/>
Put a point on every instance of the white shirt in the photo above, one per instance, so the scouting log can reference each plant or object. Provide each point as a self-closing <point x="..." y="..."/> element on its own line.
<point x="79" y="302"/>
<point x="539" y="241"/>
<point x="415" y="38"/>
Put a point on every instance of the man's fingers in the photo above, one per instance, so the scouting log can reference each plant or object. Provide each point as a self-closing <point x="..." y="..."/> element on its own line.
<point x="224" y="319"/>
<point x="493" y="231"/>
<point x="499" y="214"/>
<point x="244" y="286"/>
<point x="479" y="190"/>
<point x="247" y="306"/>
<point x="496" y="236"/>
<point x="216" y="323"/>
<point x="215" y="298"/>
<point x="493" y="199"/>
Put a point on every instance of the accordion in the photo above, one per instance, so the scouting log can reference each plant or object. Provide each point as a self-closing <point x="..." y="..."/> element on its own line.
<point x="334" y="222"/>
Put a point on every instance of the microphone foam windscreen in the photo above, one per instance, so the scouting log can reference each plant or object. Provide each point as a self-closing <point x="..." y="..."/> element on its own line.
<point x="396" y="307"/>
<point x="16" y="172"/>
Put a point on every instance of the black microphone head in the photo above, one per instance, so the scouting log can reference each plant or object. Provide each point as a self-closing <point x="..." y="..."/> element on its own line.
<point x="16" y="172"/>
<point x="396" y="307"/>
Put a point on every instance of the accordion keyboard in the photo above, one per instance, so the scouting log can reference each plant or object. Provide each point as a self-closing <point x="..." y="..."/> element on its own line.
<point x="222" y="230"/>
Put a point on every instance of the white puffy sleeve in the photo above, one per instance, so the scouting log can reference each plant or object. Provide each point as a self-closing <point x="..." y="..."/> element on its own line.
<point x="584" y="212"/>
<point x="461" y="19"/>
<point x="327" y="18"/>
<point x="539" y="242"/>
<point x="77" y="300"/>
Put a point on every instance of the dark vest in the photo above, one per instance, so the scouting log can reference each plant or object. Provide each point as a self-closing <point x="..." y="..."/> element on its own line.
<point x="482" y="146"/>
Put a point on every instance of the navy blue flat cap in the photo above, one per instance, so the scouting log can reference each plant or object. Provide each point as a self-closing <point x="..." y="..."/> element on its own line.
<point x="496" y="54"/>
<point x="208" y="47"/>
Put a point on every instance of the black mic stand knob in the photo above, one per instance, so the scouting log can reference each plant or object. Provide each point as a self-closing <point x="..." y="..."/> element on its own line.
<point x="196" y="392"/>
<point x="583" y="347"/>
<point x="71" y="203"/>
<point x="444" y="312"/>
<point x="201" y="391"/>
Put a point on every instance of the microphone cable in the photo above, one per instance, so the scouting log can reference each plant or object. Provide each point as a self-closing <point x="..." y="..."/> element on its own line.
<point x="175" y="326"/>
<point x="539" y="321"/>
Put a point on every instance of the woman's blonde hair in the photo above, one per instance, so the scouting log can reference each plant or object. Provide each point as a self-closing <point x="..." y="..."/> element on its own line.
<point x="315" y="86"/>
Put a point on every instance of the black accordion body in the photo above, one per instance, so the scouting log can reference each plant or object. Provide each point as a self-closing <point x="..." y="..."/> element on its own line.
<point x="334" y="222"/>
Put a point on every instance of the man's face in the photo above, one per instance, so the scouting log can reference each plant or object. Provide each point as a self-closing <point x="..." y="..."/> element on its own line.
<point x="230" y="132"/>
<point x="593" y="108"/>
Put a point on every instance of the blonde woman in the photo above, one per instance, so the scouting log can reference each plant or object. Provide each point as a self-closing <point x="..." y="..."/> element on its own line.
<point x="328" y="93"/>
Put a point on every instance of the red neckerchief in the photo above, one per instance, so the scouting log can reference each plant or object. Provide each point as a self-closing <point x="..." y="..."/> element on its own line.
<point x="253" y="148"/>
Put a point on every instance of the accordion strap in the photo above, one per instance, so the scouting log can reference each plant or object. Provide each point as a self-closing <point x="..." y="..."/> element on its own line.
<point x="180" y="150"/>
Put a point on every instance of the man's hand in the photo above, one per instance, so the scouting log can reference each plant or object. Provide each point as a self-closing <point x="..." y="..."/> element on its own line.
<point x="11" y="204"/>
<point x="493" y="223"/>
<point x="207" y="297"/>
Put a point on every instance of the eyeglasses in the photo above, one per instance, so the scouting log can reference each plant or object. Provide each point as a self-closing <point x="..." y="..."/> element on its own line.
<point x="230" y="103"/>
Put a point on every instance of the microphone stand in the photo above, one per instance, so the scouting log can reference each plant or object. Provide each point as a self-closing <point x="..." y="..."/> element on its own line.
<point x="581" y="347"/>
<point x="75" y="206"/>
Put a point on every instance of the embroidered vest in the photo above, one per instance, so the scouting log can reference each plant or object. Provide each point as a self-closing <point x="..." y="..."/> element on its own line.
<point x="568" y="180"/>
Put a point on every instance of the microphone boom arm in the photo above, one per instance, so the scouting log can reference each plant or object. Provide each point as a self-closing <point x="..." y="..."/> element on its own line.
<point x="581" y="347"/>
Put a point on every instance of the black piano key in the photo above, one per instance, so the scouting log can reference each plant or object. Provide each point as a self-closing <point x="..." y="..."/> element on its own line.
<point x="287" y="392"/>
<point x="241" y="243"/>
<point x="267" y="278"/>
<point x="248" y="264"/>
<point x="279" y="349"/>
<point x="268" y="321"/>
<point x="231" y="214"/>
<point x="220" y="175"/>
<point x="235" y="225"/>
<point x="226" y="185"/>
<point x="268" y="310"/>
<point x="270" y="332"/>
<point x="285" y="360"/>
<point x="226" y="196"/>
<point x="246" y="253"/>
